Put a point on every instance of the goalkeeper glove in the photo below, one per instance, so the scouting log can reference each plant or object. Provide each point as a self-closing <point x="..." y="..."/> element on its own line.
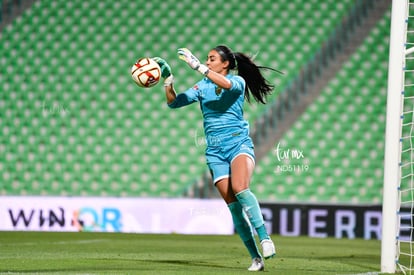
<point x="165" y="70"/>
<point x="186" y="55"/>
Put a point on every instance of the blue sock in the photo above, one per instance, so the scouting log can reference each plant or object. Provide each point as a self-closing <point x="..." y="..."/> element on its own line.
<point x="243" y="229"/>
<point x="251" y="206"/>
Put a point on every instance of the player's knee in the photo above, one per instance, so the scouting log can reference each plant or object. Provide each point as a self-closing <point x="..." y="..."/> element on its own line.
<point x="240" y="186"/>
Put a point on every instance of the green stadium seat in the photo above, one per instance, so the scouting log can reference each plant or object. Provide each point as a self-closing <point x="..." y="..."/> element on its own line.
<point x="345" y="150"/>
<point x="119" y="140"/>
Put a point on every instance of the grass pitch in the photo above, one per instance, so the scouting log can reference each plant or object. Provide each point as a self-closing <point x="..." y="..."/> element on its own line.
<point x="116" y="253"/>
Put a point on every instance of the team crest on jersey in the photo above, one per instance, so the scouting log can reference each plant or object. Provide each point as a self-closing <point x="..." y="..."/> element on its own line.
<point x="218" y="90"/>
<point x="195" y="87"/>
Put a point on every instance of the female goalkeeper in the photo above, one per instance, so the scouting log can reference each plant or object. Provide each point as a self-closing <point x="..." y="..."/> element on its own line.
<point x="229" y="153"/>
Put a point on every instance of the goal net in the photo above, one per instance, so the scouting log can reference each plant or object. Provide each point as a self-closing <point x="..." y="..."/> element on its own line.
<point x="397" y="247"/>
<point x="405" y="238"/>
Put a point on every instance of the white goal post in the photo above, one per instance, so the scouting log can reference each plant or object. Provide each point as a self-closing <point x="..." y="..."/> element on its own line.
<point x="391" y="219"/>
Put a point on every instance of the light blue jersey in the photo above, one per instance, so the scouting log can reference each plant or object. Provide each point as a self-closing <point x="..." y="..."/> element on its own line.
<point x="226" y="131"/>
<point x="222" y="109"/>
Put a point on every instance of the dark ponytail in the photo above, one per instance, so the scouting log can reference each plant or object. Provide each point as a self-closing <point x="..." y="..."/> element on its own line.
<point x="256" y="85"/>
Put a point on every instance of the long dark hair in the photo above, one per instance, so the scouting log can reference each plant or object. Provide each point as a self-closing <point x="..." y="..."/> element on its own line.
<point x="256" y="85"/>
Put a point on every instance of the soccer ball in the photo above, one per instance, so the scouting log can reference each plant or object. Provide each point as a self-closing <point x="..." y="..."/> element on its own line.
<point x="146" y="72"/>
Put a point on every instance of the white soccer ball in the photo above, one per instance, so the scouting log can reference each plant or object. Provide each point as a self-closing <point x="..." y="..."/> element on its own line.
<point x="146" y="72"/>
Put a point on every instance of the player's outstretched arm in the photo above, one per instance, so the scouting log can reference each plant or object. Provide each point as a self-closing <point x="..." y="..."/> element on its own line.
<point x="219" y="79"/>
<point x="168" y="79"/>
<point x="170" y="93"/>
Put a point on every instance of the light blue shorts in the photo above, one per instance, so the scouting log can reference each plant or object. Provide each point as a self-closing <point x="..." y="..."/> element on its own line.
<point x="220" y="157"/>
